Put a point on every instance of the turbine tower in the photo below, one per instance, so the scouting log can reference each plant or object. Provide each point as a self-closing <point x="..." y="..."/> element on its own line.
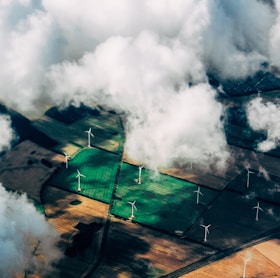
<point x="67" y="157"/>
<point x="206" y="231"/>
<point x="133" y="207"/>
<point x="139" y="174"/>
<point x="90" y="134"/>
<point x="79" y="175"/>
<point x="248" y="177"/>
<point x="258" y="208"/>
<point x="244" y="268"/>
<point x="197" y="194"/>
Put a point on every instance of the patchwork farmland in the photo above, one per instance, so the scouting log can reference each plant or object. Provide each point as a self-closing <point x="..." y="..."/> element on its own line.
<point x="164" y="237"/>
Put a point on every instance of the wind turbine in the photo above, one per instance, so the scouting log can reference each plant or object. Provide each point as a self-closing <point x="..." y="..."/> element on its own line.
<point x="248" y="177"/>
<point x="67" y="157"/>
<point x="258" y="208"/>
<point x="197" y="194"/>
<point x="133" y="207"/>
<point x="90" y="134"/>
<point x="244" y="268"/>
<point x="79" y="175"/>
<point x="139" y="174"/>
<point x="206" y="231"/>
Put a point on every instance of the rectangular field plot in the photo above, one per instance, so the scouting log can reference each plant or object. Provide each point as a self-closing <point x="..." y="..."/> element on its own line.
<point x="233" y="220"/>
<point x="163" y="202"/>
<point x="107" y="131"/>
<point x="257" y="185"/>
<point x="60" y="132"/>
<point x="99" y="168"/>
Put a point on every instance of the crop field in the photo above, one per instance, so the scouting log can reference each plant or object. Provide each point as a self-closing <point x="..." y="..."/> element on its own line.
<point x="107" y="131"/>
<point x="161" y="201"/>
<point x="258" y="264"/>
<point x="137" y="251"/>
<point x="259" y="186"/>
<point x="99" y="168"/>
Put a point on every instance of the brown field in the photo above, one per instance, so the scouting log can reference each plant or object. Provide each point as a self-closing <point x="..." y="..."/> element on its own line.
<point x="263" y="262"/>
<point x="27" y="167"/>
<point x="65" y="210"/>
<point x="135" y="251"/>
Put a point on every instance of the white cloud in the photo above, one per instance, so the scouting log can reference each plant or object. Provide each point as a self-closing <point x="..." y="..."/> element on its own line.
<point x="168" y="120"/>
<point x="6" y="132"/>
<point x="274" y="39"/>
<point x="138" y="57"/>
<point x="27" y="47"/>
<point x="23" y="228"/>
<point x="237" y="40"/>
<point x="186" y="129"/>
<point x="265" y="117"/>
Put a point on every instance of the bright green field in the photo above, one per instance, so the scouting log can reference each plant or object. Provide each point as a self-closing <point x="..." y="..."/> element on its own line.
<point x="162" y="202"/>
<point x="99" y="167"/>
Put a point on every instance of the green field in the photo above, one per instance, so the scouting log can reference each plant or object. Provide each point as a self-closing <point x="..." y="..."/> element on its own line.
<point x="107" y="130"/>
<point x="162" y="202"/>
<point x="99" y="167"/>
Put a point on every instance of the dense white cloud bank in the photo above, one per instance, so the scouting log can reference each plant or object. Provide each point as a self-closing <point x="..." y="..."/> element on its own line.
<point x="148" y="59"/>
